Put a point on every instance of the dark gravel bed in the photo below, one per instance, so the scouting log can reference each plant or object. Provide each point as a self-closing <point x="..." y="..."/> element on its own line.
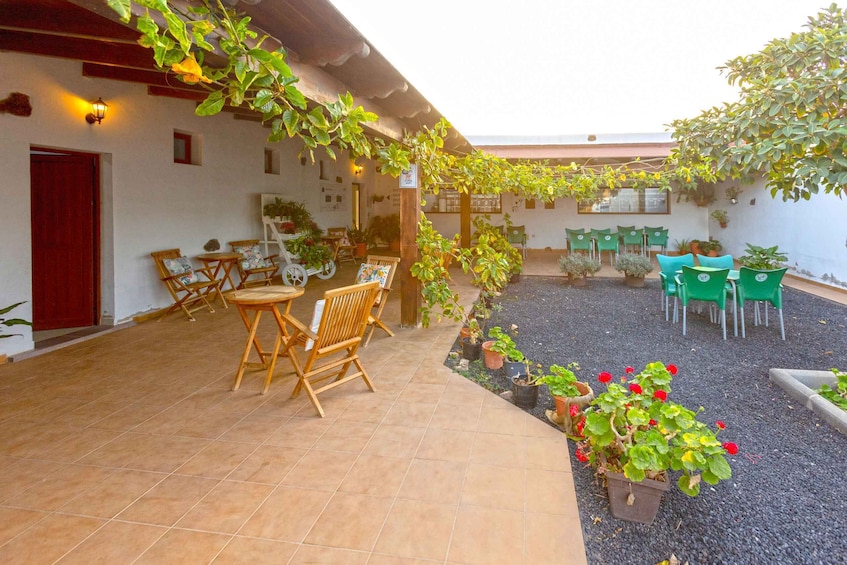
<point x="786" y="502"/>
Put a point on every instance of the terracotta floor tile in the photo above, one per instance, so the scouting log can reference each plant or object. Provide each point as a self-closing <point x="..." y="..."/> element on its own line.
<point x="48" y="540"/>
<point x="253" y="429"/>
<point x="165" y="503"/>
<point x="382" y="559"/>
<point x="23" y="473"/>
<point x="404" y="535"/>
<point x="455" y="417"/>
<point x="15" y="520"/>
<point x="446" y="445"/>
<point x="58" y="488"/>
<point x="322" y="470"/>
<point x="127" y="418"/>
<point x="212" y="425"/>
<point x="116" y="542"/>
<point x="226" y="507"/>
<point x="487" y="536"/>
<point x="554" y="539"/>
<point x="81" y="444"/>
<point x="253" y="551"/>
<point x="112" y="495"/>
<point x="550" y="492"/>
<point x="410" y="414"/>
<point x="310" y="554"/>
<point x="548" y="453"/>
<point x="376" y="475"/>
<point x="498" y="449"/>
<point x="508" y="420"/>
<point x="345" y="435"/>
<point x="184" y="547"/>
<point x="217" y="460"/>
<point x="434" y="481"/>
<point x="491" y="486"/>
<point x="170" y="420"/>
<point x="300" y="432"/>
<point x="369" y="409"/>
<point x="287" y="515"/>
<point x="350" y="521"/>
<point x="425" y="393"/>
<point x="268" y="464"/>
<point x="146" y="452"/>
<point x="395" y="441"/>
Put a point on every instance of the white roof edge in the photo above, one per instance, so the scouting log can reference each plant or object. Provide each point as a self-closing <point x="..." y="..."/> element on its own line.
<point x="577" y="139"/>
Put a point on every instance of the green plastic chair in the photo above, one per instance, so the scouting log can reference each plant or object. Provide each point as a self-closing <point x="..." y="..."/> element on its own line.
<point x="668" y="267"/>
<point x="760" y="286"/>
<point x="708" y="286"/>
<point x="580" y="241"/>
<point x="517" y="236"/>
<point x="722" y="262"/>
<point x="606" y="242"/>
<point x="630" y="237"/>
<point x="656" y="237"/>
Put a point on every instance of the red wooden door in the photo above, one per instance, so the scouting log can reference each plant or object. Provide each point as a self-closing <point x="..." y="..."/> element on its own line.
<point x="65" y="238"/>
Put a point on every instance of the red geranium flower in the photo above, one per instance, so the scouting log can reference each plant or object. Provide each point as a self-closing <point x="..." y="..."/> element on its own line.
<point x="661" y="395"/>
<point x="731" y="448"/>
<point x="652" y="422"/>
<point x="580" y="426"/>
<point x="629" y="370"/>
<point x="581" y="456"/>
<point x="574" y="410"/>
<point x="636" y="388"/>
<point x="720" y="424"/>
<point x="672" y="369"/>
<point x="604" y="377"/>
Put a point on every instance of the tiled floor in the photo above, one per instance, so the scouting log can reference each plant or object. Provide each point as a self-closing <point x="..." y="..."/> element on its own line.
<point x="131" y="448"/>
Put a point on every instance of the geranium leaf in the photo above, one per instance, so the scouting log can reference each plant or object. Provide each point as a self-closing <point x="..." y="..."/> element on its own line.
<point x="719" y="466"/>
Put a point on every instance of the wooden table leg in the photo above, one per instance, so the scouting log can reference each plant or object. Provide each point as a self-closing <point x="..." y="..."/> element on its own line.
<point x="251" y="341"/>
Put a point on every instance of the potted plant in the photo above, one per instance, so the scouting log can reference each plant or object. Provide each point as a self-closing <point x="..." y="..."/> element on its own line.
<point x="359" y="237"/>
<point x="577" y="267"/>
<point x="387" y="229"/>
<point x="9" y="322"/>
<point x="471" y="346"/>
<point x="502" y="347"/>
<point x="635" y="437"/>
<point x="732" y="194"/>
<point x="634" y="266"/>
<point x="763" y="258"/>
<point x="312" y="254"/>
<point x="720" y="217"/>
<point x="570" y="395"/>
<point x="525" y="386"/>
<point x="711" y="247"/>
<point x="682" y="246"/>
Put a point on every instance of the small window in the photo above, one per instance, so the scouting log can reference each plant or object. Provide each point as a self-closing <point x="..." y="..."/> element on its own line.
<point x="271" y="161"/>
<point x="529" y="204"/>
<point x="182" y="148"/>
<point x="550" y="205"/>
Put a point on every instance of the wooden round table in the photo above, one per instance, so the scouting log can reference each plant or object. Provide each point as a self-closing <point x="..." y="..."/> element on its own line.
<point x="258" y="300"/>
<point x="222" y="260"/>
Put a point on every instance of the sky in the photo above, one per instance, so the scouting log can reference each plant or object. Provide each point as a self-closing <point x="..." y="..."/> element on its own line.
<point x="571" y="67"/>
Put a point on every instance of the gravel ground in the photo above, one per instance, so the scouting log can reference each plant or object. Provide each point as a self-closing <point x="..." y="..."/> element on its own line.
<point x="786" y="502"/>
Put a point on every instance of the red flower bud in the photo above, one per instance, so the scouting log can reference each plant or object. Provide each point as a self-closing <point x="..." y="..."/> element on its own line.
<point x="581" y="456"/>
<point x="636" y="388"/>
<point x="660" y="395"/>
<point x="731" y="448"/>
<point x="629" y="370"/>
<point x="720" y="424"/>
<point x="623" y="379"/>
<point x="672" y="369"/>
<point x="652" y="422"/>
<point x="604" y="377"/>
<point x="574" y="410"/>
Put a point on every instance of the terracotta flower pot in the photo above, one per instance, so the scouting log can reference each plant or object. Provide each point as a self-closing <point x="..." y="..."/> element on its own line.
<point x="564" y="403"/>
<point x="633" y="281"/>
<point x="493" y="360"/>
<point x="576" y="281"/>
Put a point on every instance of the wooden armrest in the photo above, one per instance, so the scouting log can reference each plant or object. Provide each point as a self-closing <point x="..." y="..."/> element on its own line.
<point x="299" y="326"/>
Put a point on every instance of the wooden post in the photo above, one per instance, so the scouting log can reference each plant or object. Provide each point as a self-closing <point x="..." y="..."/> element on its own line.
<point x="465" y="218"/>
<point x="410" y="287"/>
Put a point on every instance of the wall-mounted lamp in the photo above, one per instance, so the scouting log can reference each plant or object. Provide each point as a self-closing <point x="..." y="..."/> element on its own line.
<point x="98" y="111"/>
<point x="358" y="169"/>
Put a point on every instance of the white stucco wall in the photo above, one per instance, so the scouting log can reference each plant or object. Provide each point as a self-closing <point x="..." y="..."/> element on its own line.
<point x="148" y="202"/>
<point x="812" y="233"/>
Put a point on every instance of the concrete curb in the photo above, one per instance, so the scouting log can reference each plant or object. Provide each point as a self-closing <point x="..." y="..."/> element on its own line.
<point x="800" y="385"/>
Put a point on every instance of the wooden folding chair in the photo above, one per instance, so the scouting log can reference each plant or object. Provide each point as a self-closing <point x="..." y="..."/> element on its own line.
<point x="375" y="319"/>
<point x="345" y="249"/>
<point x="253" y="263"/>
<point x="330" y="346"/>
<point x="189" y="292"/>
